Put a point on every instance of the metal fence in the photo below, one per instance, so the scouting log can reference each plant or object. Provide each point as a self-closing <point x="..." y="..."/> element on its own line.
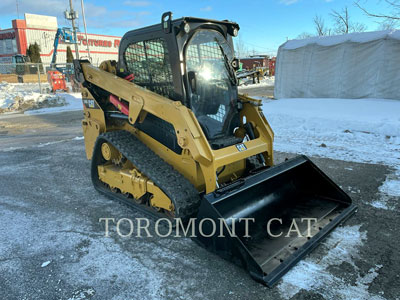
<point x="35" y="73"/>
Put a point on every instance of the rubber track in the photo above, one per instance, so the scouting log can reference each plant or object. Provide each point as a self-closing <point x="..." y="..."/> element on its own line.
<point x="182" y="193"/>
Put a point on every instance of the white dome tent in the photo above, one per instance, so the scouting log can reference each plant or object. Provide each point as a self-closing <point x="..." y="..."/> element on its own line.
<point x="355" y="65"/>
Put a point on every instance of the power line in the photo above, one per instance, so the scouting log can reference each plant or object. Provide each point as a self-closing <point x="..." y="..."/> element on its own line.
<point x="266" y="48"/>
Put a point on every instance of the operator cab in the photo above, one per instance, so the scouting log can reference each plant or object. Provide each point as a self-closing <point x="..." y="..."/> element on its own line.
<point x="189" y="60"/>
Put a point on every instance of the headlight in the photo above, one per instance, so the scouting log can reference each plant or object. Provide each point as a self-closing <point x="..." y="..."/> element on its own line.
<point x="235" y="32"/>
<point x="186" y="28"/>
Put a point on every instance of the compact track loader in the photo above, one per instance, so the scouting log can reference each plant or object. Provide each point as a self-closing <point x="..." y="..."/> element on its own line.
<point x="167" y="132"/>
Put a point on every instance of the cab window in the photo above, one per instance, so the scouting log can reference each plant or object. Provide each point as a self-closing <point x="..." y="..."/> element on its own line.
<point x="149" y="62"/>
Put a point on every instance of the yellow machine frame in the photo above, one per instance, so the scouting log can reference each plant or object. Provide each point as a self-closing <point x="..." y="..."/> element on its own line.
<point x="188" y="131"/>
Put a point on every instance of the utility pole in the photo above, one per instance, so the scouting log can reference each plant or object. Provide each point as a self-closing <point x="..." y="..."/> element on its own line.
<point x="84" y="25"/>
<point x="72" y="15"/>
<point x="16" y="3"/>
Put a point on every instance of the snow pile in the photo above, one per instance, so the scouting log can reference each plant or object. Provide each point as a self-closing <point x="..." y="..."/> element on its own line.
<point x="72" y="102"/>
<point x="24" y="96"/>
<point x="356" y="37"/>
<point x="313" y="274"/>
<point x="361" y="130"/>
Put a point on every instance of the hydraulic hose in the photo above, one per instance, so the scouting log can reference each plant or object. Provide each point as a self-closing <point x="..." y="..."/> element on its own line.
<point x="250" y="132"/>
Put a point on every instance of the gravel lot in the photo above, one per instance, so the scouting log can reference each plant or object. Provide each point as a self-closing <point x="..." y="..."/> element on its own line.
<point x="53" y="245"/>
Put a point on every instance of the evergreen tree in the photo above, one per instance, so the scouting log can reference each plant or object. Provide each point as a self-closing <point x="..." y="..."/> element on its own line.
<point x="34" y="53"/>
<point x="70" y="56"/>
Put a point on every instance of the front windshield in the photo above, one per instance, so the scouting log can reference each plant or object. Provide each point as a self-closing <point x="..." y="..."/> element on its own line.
<point x="213" y="93"/>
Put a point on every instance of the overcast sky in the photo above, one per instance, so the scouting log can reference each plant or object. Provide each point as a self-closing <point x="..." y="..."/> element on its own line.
<point x="264" y="24"/>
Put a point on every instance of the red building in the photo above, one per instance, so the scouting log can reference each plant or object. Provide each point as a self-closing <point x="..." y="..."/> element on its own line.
<point x="42" y="30"/>
<point x="264" y="62"/>
<point x="254" y="62"/>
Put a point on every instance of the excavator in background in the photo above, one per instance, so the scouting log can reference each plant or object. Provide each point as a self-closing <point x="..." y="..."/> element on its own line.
<point x="167" y="132"/>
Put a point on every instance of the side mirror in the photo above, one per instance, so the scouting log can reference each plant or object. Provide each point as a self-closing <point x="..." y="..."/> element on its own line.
<point x="235" y="64"/>
<point x="192" y="81"/>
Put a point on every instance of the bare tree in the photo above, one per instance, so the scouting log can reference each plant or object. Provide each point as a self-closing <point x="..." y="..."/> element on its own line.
<point x="304" y="35"/>
<point x="319" y="25"/>
<point x="341" y="20"/>
<point x="358" y="27"/>
<point x="320" y="28"/>
<point x="387" y="21"/>
<point x="343" y="25"/>
<point x="240" y="47"/>
<point x="388" y="24"/>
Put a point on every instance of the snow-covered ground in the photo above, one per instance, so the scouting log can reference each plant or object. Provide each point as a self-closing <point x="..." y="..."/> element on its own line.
<point x="13" y="93"/>
<point x="72" y="102"/>
<point x="27" y="97"/>
<point x="248" y="83"/>
<point x="363" y="130"/>
<point x="360" y="130"/>
<point x="311" y="274"/>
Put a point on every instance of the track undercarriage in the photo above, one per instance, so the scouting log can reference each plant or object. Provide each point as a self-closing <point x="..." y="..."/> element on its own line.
<point x="126" y="169"/>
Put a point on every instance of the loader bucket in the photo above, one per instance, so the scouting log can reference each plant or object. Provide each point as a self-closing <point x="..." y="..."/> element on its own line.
<point x="293" y="190"/>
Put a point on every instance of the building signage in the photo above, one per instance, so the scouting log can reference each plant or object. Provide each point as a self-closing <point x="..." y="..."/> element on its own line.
<point x="98" y="42"/>
<point x="7" y="35"/>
